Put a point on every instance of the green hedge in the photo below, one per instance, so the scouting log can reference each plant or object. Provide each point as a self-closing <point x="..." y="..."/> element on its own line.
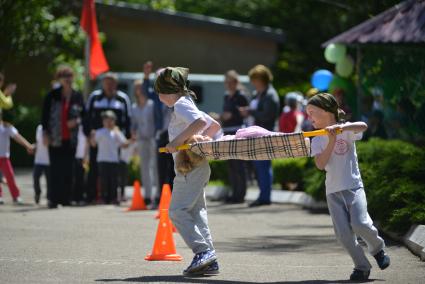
<point x="393" y="175"/>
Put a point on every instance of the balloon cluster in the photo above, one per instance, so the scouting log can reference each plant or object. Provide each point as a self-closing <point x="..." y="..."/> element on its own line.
<point x="323" y="79"/>
<point x="337" y="53"/>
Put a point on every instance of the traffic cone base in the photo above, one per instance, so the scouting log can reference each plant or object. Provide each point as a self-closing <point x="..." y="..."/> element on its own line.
<point x="137" y="202"/>
<point x="166" y="257"/>
<point x="164" y="247"/>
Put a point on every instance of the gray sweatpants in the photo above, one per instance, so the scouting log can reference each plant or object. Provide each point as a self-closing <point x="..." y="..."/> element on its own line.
<point x="348" y="210"/>
<point x="188" y="209"/>
<point x="148" y="166"/>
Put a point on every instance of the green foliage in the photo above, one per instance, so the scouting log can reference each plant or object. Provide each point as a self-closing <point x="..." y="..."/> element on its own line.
<point x="219" y="172"/>
<point x="153" y="4"/>
<point x="134" y="169"/>
<point x="289" y="171"/>
<point x="314" y="181"/>
<point x="39" y="28"/>
<point x="394" y="179"/>
<point x="306" y="24"/>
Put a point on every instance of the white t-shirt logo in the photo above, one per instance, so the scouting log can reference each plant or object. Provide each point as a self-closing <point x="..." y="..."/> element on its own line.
<point x="341" y="147"/>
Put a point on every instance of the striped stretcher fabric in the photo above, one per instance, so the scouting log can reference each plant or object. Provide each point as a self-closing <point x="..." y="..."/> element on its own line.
<point x="275" y="146"/>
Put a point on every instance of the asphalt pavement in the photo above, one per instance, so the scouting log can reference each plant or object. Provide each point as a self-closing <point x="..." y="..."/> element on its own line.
<point x="105" y="244"/>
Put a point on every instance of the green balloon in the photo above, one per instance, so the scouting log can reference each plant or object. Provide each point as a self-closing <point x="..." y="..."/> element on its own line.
<point x="335" y="52"/>
<point x="345" y="67"/>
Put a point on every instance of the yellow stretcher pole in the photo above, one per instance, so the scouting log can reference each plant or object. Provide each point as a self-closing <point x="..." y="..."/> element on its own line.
<point x="319" y="132"/>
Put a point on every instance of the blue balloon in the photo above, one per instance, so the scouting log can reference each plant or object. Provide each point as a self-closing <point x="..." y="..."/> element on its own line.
<point x="321" y="79"/>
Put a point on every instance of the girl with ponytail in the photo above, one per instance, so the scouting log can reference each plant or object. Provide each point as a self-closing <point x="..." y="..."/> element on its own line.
<point x="345" y="196"/>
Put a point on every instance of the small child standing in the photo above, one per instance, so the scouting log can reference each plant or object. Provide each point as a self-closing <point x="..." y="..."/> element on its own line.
<point x="41" y="165"/>
<point x="7" y="131"/>
<point x="109" y="139"/>
<point x="336" y="154"/>
<point x="188" y="210"/>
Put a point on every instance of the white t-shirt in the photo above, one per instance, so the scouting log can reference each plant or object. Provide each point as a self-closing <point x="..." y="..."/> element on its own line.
<point x="185" y="113"/>
<point x="41" y="151"/>
<point x="108" y="141"/>
<point x="5" y="133"/>
<point x="342" y="169"/>
<point x="81" y="144"/>
<point x="209" y="121"/>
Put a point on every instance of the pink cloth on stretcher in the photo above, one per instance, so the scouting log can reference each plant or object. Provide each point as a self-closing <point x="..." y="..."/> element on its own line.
<point x="249" y="132"/>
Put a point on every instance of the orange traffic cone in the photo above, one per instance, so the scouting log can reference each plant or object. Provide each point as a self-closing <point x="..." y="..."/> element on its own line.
<point x="138" y="203"/>
<point x="164" y="202"/>
<point x="164" y="247"/>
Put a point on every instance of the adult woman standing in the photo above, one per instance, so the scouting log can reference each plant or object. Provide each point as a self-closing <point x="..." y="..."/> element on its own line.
<point x="61" y="116"/>
<point x="265" y="115"/>
<point x="232" y="120"/>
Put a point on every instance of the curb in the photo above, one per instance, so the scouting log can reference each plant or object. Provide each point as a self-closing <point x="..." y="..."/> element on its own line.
<point x="278" y="196"/>
<point x="414" y="239"/>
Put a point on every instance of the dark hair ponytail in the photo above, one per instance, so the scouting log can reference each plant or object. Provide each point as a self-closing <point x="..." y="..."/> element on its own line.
<point x="328" y="103"/>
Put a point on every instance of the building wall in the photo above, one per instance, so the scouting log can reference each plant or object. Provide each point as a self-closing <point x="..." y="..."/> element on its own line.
<point x="132" y="41"/>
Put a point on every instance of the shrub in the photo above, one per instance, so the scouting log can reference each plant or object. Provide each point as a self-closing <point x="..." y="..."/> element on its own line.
<point x="287" y="171"/>
<point x="219" y="171"/>
<point x="394" y="178"/>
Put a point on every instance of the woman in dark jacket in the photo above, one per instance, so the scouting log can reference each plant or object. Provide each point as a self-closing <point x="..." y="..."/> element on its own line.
<point x="231" y="121"/>
<point x="62" y="114"/>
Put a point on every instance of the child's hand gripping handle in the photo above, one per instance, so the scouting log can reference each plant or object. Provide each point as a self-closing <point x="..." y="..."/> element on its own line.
<point x="181" y="147"/>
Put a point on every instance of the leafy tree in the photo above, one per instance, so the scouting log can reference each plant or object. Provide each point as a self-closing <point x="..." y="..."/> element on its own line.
<point x="39" y="28"/>
<point x="306" y="24"/>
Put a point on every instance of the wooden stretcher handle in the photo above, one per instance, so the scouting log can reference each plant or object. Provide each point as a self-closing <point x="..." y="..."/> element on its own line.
<point x="181" y="147"/>
<point x="319" y="132"/>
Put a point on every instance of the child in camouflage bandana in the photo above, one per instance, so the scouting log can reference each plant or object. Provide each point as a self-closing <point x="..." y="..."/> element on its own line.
<point x="188" y="209"/>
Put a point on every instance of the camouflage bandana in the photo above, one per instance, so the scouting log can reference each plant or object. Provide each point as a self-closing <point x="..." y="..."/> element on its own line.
<point x="328" y="103"/>
<point x="173" y="80"/>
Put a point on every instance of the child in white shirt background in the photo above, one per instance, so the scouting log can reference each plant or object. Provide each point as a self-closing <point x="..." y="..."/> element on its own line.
<point x="8" y="131"/>
<point x="108" y="139"/>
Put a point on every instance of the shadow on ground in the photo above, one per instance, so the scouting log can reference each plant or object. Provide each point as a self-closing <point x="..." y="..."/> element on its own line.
<point x="210" y="280"/>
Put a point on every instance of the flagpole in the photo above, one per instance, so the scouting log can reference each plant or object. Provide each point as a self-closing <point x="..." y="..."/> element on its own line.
<point x="87" y="68"/>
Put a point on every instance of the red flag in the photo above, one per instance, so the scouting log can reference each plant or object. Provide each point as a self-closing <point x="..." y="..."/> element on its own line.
<point x="98" y="63"/>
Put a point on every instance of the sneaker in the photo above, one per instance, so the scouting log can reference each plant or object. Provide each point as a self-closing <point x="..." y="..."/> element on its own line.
<point x="200" y="261"/>
<point x="209" y="270"/>
<point x="1" y="201"/>
<point x="18" y="201"/>
<point x="382" y="259"/>
<point x="359" y="275"/>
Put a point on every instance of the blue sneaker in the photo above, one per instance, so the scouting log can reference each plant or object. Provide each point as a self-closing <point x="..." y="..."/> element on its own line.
<point x="211" y="269"/>
<point x="200" y="261"/>
<point x="382" y="259"/>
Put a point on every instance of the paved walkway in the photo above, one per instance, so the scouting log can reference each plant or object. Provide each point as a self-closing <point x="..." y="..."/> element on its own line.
<point x="103" y="244"/>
